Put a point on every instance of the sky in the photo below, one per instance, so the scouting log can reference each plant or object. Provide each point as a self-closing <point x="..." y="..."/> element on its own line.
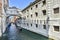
<point x="21" y="4"/>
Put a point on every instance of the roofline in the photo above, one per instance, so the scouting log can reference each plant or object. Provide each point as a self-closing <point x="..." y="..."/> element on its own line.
<point x="36" y="1"/>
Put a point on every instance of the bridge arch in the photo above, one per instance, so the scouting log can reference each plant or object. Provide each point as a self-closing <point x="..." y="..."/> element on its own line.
<point x="8" y="18"/>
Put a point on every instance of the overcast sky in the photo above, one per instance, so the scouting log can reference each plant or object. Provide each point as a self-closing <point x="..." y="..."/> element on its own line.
<point x="21" y="4"/>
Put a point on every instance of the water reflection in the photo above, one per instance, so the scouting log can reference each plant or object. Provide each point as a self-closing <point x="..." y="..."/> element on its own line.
<point x="14" y="34"/>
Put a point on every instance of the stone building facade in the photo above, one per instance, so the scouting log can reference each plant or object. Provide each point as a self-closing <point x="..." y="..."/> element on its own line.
<point x="0" y="15"/>
<point x="3" y="7"/>
<point x="43" y="17"/>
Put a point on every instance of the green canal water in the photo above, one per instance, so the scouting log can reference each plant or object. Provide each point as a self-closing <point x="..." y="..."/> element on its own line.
<point x="14" y="34"/>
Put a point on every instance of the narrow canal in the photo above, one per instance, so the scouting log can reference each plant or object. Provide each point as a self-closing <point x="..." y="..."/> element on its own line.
<point x="14" y="34"/>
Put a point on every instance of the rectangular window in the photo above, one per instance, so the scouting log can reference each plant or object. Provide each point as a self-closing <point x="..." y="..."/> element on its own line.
<point x="44" y="12"/>
<point x="31" y="24"/>
<point x="36" y="14"/>
<point x="31" y="15"/>
<point x="36" y="6"/>
<point x="56" y="28"/>
<point x="31" y="8"/>
<point x="44" y="26"/>
<point x="36" y="25"/>
<point x="56" y="10"/>
<point x="44" y="2"/>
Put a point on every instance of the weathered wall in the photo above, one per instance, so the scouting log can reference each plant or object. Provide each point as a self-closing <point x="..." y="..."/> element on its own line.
<point x="54" y="19"/>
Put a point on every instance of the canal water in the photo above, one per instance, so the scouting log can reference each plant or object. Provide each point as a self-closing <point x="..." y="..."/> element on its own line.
<point x="14" y="34"/>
